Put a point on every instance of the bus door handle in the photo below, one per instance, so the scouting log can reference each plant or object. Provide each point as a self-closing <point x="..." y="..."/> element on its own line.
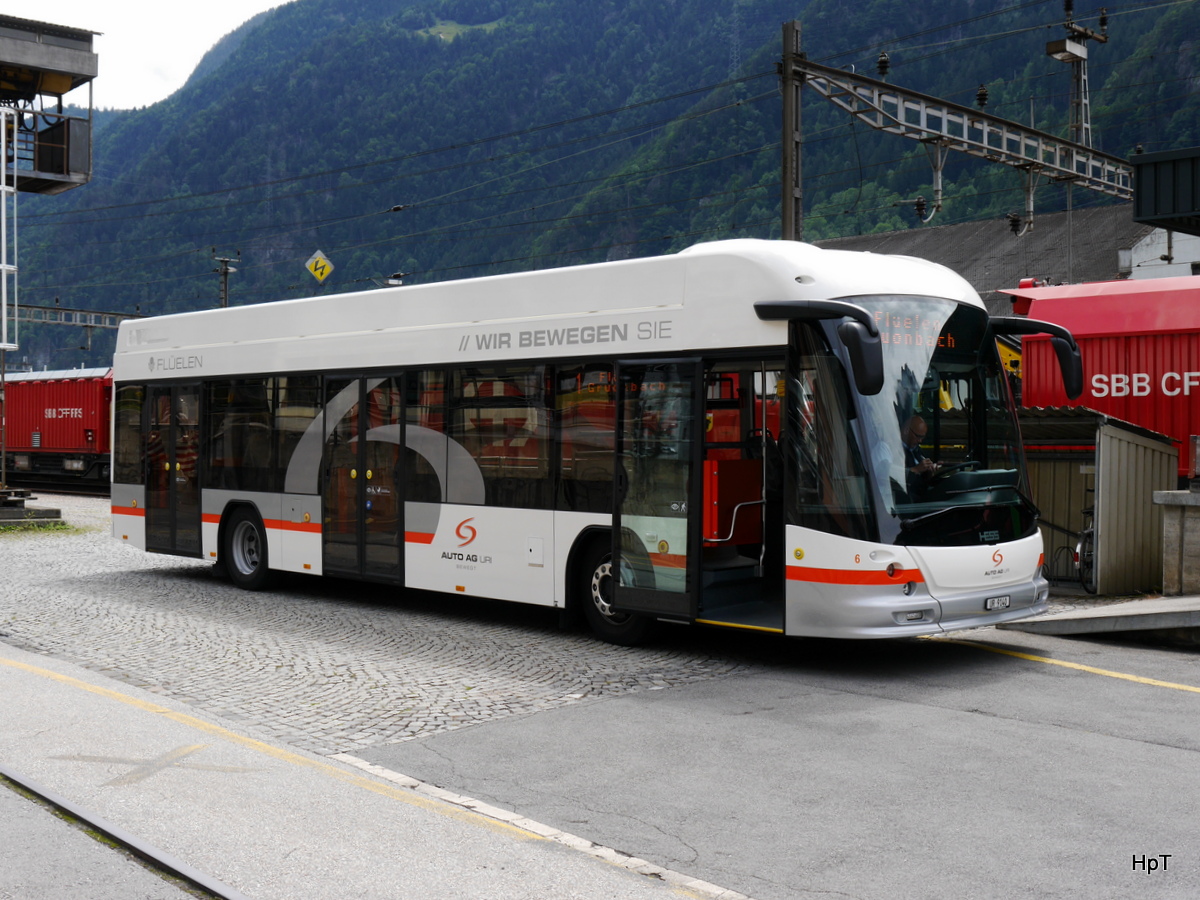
<point x="621" y="481"/>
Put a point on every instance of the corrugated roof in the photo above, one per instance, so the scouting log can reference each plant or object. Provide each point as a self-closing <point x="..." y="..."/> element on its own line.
<point x="18" y="22"/>
<point x="1072" y="425"/>
<point x="992" y="258"/>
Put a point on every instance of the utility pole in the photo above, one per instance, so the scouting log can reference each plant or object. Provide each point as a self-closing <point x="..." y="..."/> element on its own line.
<point x="1073" y="49"/>
<point x="8" y="271"/>
<point x="791" y="80"/>
<point x="224" y="271"/>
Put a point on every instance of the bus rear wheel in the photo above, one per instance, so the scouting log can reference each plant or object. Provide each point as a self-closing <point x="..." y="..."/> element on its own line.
<point x="244" y="553"/>
<point x="595" y="593"/>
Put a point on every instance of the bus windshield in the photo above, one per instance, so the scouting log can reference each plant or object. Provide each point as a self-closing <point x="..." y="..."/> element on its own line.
<point x="933" y="459"/>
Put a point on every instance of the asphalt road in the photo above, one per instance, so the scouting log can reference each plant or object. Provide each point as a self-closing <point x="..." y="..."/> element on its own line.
<point x="998" y="764"/>
<point x="915" y="769"/>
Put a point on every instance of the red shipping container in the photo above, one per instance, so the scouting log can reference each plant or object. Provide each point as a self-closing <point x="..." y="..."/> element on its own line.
<point x="58" y="412"/>
<point x="1140" y="343"/>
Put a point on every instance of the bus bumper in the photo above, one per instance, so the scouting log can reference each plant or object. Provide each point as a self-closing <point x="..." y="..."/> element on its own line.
<point x="885" y="611"/>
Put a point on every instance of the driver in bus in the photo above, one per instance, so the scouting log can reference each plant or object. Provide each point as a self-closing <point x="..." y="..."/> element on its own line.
<point x="915" y="461"/>
<point x="918" y="468"/>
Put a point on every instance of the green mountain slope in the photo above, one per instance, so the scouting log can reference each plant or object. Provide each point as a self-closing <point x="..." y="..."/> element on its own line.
<point x="450" y="138"/>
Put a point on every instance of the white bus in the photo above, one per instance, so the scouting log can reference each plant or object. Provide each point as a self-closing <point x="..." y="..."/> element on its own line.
<point x="709" y="437"/>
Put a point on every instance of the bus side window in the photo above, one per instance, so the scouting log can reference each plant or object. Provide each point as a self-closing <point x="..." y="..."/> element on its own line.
<point x="425" y="415"/>
<point x="239" y="435"/>
<point x="499" y="415"/>
<point x="586" y="403"/>
<point x="297" y="403"/>
<point x="830" y="490"/>
<point x="128" y="455"/>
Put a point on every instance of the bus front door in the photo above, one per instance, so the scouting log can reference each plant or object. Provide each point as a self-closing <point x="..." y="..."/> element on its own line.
<point x="656" y="533"/>
<point x="362" y="509"/>
<point x="172" y="439"/>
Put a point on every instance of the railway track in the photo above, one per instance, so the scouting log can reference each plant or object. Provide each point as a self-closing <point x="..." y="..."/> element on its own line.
<point x="188" y="878"/>
<point x="54" y="485"/>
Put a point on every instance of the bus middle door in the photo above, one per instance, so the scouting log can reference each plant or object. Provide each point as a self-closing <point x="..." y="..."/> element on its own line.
<point x="362" y="516"/>
<point x="656" y="527"/>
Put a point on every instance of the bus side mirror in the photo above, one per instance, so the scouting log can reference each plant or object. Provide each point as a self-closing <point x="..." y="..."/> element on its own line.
<point x="859" y="336"/>
<point x="1070" y="362"/>
<point x="866" y="356"/>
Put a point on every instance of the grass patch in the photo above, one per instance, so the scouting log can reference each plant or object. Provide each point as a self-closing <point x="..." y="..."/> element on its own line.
<point x="448" y="30"/>
<point x="29" y="526"/>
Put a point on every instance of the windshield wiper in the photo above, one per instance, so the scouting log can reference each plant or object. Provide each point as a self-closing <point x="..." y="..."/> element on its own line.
<point x="1027" y="501"/>
<point x="985" y="487"/>
<point x="907" y="524"/>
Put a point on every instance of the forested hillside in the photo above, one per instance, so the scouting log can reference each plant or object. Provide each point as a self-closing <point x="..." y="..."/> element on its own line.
<point x="453" y="138"/>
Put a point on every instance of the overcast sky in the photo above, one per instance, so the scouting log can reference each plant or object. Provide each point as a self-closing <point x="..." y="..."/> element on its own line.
<point x="147" y="48"/>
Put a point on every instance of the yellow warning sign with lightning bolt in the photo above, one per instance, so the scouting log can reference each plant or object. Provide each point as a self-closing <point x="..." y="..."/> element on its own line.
<point x="319" y="266"/>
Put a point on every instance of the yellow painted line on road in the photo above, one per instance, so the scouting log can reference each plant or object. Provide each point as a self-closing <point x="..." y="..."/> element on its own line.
<point x="763" y="628"/>
<point x="677" y="883"/>
<point x="1080" y="667"/>
<point x="288" y="756"/>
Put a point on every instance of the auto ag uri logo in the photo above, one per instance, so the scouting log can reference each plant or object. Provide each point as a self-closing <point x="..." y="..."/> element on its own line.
<point x="466" y="533"/>
<point x="997" y="557"/>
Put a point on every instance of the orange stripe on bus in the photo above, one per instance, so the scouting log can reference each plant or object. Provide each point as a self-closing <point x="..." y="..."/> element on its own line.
<point x="847" y="576"/>
<point x="418" y="537"/>
<point x="271" y="524"/>
<point x="283" y="525"/>
<point x="128" y="511"/>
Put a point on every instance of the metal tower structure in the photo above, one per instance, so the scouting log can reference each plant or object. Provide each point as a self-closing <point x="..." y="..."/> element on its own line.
<point x="42" y="149"/>
<point x="941" y="127"/>
<point x="8" y="218"/>
<point x="1073" y="49"/>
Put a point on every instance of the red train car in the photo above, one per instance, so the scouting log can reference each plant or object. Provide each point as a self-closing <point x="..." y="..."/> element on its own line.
<point x="1140" y="342"/>
<point x="58" y="433"/>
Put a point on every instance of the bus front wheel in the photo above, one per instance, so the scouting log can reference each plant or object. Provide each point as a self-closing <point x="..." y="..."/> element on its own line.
<point x="245" y="551"/>
<point x="595" y="593"/>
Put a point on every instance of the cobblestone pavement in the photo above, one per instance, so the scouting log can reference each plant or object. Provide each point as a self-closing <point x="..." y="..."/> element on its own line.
<point x="324" y="665"/>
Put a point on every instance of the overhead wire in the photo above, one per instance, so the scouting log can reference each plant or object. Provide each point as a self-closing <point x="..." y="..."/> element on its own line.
<point x="397" y="238"/>
<point x="417" y="154"/>
<point x="653" y="127"/>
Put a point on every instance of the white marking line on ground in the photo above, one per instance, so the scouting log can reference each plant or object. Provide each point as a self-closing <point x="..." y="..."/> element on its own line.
<point x="678" y="880"/>
<point x="428" y="796"/>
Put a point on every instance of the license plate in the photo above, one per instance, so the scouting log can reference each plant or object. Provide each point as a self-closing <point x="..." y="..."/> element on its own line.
<point x="997" y="602"/>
